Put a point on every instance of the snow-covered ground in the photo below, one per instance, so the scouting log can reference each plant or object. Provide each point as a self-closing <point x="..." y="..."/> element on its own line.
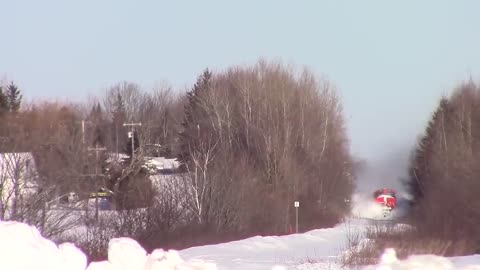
<point x="389" y="261"/>
<point x="297" y="251"/>
<point x="23" y="248"/>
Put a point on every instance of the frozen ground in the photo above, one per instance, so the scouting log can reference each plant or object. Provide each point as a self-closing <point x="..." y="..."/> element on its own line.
<point x="320" y="246"/>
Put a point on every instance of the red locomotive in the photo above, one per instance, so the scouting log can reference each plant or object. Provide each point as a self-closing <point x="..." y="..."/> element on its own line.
<point x="386" y="197"/>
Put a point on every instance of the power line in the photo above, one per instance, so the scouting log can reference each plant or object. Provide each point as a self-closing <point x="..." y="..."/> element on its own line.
<point x="97" y="150"/>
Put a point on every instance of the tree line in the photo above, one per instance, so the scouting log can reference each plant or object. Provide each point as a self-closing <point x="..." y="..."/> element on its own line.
<point x="251" y="140"/>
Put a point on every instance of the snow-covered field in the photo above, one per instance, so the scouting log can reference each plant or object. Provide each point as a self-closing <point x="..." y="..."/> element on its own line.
<point x="320" y="246"/>
<point x="23" y="248"/>
<point x="317" y="249"/>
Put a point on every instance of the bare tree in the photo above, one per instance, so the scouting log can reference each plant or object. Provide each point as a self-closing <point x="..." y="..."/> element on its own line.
<point x="17" y="181"/>
<point x="199" y="185"/>
<point x="131" y="95"/>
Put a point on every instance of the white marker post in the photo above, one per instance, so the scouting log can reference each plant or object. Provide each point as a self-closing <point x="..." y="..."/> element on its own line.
<point x="296" y="204"/>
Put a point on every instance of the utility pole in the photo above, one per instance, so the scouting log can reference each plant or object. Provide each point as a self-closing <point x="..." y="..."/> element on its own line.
<point x="83" y="122"/>
<point x="97" y="150"/>
<point x="114" y="113"/>
<point x="132" y="128"/>
<point x="116" y="142"/>
<point x="83" y="132"/>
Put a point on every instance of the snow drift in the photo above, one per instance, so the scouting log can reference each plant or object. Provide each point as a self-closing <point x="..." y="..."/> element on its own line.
<point x="23" y="248"/>
<point x="389" y="261"/>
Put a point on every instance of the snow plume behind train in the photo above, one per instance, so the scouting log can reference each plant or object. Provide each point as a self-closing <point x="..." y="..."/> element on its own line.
<point x="387" y="171"/>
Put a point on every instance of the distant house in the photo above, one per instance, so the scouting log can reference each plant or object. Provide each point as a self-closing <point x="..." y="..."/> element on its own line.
<point x="116" y="157"/>
<point x="154" y="165"/>
<point x="161" y="165"/>
<point x="18" y="176"/>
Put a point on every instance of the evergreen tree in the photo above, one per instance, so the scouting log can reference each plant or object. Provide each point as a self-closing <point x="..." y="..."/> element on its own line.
<point x="119" y="111"/>
<point x="420" y="169"/>
<point x="14" y="97"/>
<point x="119" y="133"/>
<point x="194" y="115"/>
<point x="3" y="102"/>
<point x="96" y="117"/>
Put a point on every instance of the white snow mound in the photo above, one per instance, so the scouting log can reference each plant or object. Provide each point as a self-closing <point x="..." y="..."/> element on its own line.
<point x="22" y="247"/>
<point x="389" y="261"/>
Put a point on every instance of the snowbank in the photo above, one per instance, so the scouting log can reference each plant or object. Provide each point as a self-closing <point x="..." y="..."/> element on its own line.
<point x="23" y="248"/>
<point x="389" y="261"/>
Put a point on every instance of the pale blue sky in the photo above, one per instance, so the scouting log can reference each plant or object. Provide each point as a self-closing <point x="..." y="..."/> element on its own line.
<point x="391" y="60"/>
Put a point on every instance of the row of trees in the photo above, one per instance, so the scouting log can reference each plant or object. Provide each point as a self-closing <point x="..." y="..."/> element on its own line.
<point x="445" y="171"/>
<point x="251" y="141"/>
